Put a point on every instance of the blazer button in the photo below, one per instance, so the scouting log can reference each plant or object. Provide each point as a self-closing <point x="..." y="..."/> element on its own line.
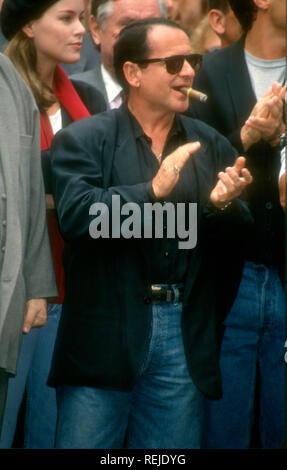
<point x="269" y="205"/>
<point x="147" y="300"/>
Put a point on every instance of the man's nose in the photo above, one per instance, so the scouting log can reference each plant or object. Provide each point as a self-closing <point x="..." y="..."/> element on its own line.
<point x="187" y="69"/>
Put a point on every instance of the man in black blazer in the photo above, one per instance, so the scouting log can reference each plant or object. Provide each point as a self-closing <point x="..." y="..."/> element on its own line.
<point x="245" y="104"/>
<point x="138" y="341"/>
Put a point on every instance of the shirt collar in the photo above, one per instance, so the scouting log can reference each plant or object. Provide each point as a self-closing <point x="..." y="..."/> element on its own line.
<point x="112" y="87"/>
<point x="177" y="127"/>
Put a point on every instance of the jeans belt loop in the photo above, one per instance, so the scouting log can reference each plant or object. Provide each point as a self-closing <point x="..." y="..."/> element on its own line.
<point x="176" y="293"/>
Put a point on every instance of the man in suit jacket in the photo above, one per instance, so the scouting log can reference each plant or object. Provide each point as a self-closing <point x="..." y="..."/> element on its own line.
<point x="107" y="18"/>
<point x="245" y="104"/>
<point x="137" y="343"/>
<point x="26" y="269"/>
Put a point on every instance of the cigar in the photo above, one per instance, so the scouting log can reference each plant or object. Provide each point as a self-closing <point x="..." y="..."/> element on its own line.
<point x="194" y="94"/>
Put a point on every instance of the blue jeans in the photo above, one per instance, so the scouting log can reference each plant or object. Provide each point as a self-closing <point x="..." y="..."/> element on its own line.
<point x="253" y="341"/>
<point x="32" y="374"/>
<point x="163" y="410"/>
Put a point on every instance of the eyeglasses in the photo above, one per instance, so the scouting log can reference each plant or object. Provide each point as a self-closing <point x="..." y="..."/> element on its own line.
<point x="174" y="63"/>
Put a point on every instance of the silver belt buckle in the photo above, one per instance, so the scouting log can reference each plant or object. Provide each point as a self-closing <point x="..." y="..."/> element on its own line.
<point x="155" y="289"/>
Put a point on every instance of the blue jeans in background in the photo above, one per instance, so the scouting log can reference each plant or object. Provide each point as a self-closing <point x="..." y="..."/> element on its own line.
<point x="253" y="341"/>
<point x="163" y="410"/>
<point x="32" y="374"/>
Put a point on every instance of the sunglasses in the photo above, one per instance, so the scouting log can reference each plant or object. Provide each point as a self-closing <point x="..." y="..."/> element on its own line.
<point x="174" y="63"/>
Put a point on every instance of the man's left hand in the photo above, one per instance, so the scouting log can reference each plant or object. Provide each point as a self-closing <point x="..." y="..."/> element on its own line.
<point x="268" y="119"/>
<point x="231" y="183"/>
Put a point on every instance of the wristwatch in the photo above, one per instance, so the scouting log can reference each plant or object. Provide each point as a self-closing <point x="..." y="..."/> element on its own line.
<point x="282" y="142"/>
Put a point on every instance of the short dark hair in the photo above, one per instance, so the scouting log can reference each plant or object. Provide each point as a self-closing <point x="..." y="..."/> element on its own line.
<point x="132" y="44"/>
<point x="245" y="11"/>
<point x="221" y="5"/>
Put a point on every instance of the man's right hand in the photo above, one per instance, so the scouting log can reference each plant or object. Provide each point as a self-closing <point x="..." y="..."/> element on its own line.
<point x="169" y="171"/>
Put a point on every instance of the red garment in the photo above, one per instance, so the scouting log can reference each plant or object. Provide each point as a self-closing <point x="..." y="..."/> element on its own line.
<point x="70" y="100"/>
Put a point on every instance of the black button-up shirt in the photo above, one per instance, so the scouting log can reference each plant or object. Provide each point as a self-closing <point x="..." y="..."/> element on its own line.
<point x="168" y="262"/>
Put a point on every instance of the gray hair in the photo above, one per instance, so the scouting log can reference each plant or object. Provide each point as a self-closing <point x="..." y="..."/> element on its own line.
<point x="106" y="8"/>
<point x="103" y="12"/>
<point x="163" y="8"/>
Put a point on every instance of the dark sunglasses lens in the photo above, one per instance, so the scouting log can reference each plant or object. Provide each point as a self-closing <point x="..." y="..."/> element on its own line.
<point x="174" y="64"/>
<point x="195" y="61"/>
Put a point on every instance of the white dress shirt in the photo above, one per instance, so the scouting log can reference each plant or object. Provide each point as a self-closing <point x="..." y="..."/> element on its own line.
<point x="113" y="89"/>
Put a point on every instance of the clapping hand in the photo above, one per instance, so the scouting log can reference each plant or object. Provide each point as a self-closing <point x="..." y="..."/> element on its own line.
<point x="231" y="183"/>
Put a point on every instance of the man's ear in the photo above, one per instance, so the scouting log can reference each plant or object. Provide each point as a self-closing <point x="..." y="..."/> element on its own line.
<point x="95" y="30"/>
<point x="217" y="21"/>
<point x="132" y="74"/>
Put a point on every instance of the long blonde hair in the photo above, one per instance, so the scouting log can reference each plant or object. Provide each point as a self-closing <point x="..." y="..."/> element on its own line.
<point x="21" y="51"/>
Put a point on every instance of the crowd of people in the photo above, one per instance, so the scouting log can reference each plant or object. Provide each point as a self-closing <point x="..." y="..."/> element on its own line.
<point x="142" y="298"/>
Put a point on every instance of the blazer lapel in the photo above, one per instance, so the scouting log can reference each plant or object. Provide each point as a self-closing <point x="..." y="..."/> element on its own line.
<point x="121" y="142"/>
<point x="126" y="147"/>
<point x="239" y="83"/>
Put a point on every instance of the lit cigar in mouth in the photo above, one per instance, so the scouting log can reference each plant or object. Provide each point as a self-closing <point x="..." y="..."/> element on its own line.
<point x="194" y="94"/>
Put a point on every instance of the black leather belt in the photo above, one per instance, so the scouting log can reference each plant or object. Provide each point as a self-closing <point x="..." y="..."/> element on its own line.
<point x="164" y="294"/>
